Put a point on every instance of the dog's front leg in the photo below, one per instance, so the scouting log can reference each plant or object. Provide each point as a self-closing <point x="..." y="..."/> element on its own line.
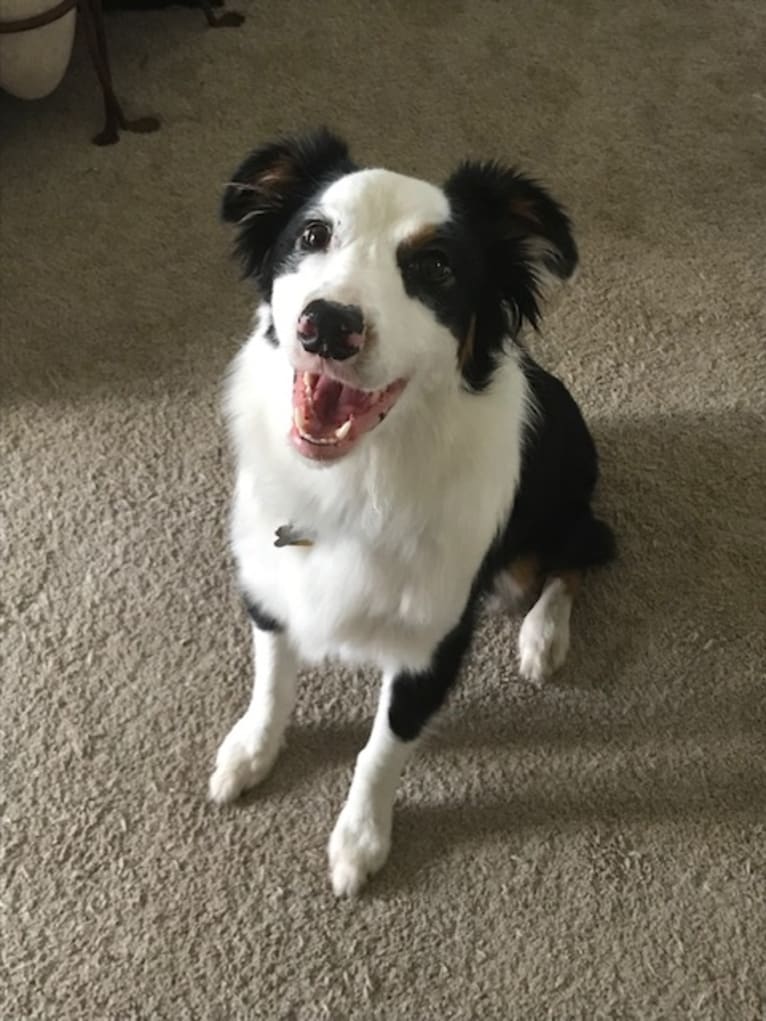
<point x="248" y="751"/>
<point x="361" y="840"/>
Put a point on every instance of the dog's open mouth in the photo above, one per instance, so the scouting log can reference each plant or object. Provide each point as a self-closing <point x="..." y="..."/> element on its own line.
<point x="329" y="416"/>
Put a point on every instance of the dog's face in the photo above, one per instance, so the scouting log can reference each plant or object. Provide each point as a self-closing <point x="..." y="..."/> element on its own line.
<point x="381" y="284"/>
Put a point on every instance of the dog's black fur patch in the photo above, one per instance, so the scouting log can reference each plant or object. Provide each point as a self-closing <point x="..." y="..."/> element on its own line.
<point x="260" y="617"/>
<point x="552" y="516"/>
<point x="519" y="231"/>
<point x="415" y="697"/>
<point x="270" y="335"/>
<point x="455" y="299"/>
<point x="270" y="188"/>
<point x="552" y="513"/>
<point x="505" y="229"/>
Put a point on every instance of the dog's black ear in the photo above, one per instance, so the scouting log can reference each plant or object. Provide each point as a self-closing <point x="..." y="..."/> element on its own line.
<point x="271" y="186"/>
<point x="524" y="232"/>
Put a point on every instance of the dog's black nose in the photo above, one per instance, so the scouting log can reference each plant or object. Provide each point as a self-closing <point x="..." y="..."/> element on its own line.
<point x="331" y="330"/>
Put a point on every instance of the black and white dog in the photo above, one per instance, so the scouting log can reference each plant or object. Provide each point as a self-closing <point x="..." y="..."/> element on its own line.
<point x="399" y="454"/>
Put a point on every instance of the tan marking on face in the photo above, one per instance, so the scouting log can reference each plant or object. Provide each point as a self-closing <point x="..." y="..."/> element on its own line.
<point x="422" y="236"/>
<point x="465" y="351"/>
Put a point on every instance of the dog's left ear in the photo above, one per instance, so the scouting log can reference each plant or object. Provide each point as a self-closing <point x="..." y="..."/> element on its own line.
<point x="271" y="186"/>
<point x="524" y="232"/>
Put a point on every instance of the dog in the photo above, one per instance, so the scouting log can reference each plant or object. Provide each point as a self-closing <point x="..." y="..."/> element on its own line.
<point x="399" y="454"/>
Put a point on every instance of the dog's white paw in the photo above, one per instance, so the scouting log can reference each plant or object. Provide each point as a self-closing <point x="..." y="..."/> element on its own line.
<point x="358" y="848"/>
<point x="244" y="759"/>
<point x="544" y="639"/>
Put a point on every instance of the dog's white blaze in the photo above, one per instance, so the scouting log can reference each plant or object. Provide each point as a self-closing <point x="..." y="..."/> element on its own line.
<point x="371" y="213"/>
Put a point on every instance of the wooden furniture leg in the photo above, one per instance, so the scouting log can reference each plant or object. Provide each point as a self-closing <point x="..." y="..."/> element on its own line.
<point x="229" y="19"/>
<point x="93" y="23"/>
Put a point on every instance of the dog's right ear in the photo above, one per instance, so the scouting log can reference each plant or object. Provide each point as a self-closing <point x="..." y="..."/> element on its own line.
<point x="272" y="185"/>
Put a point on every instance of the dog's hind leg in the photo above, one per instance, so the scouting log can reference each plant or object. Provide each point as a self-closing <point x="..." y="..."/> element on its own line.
<point x="544" y="634"/>
<point x="248" y="751"/>
<point x="361" y="840"/>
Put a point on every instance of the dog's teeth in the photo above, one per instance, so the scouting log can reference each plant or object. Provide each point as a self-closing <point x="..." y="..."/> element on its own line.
<point x="342" y="431"/>
<point x="300" y="420"/>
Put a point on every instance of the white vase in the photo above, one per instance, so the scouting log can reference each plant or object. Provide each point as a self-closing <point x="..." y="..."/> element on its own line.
<point x="32" y="63"/>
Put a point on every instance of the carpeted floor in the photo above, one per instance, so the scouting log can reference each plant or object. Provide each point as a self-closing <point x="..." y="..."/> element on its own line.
<point x="593" y="850"/>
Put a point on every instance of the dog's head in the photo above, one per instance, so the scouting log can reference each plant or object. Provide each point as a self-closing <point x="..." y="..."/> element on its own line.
<point x="380" y="283"/>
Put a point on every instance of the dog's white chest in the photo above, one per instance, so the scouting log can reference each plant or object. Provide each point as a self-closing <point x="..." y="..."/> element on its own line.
<point x="344" y="597"/>
<point x="398" y="532"/>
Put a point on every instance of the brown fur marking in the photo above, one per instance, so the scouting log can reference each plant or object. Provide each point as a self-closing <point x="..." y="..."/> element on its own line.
<point x="525" y="572"/>
<point x="466" y="348"/>
<point x="421" y="237"/>
<point x="525" y="209"/>
<point x="280" y="173"/>
<point x="572" y="580"/>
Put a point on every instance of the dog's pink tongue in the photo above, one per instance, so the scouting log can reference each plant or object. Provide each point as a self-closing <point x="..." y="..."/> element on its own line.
<point x="325" y="398"/>
<point x="334" y="402"/>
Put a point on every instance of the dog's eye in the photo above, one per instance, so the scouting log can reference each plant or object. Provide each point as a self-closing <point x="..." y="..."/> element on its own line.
<point x="315" y="237"/>
<point x="433" y="266"/>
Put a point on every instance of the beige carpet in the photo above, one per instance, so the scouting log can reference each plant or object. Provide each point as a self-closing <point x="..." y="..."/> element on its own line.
<point x="592" y="850"/>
